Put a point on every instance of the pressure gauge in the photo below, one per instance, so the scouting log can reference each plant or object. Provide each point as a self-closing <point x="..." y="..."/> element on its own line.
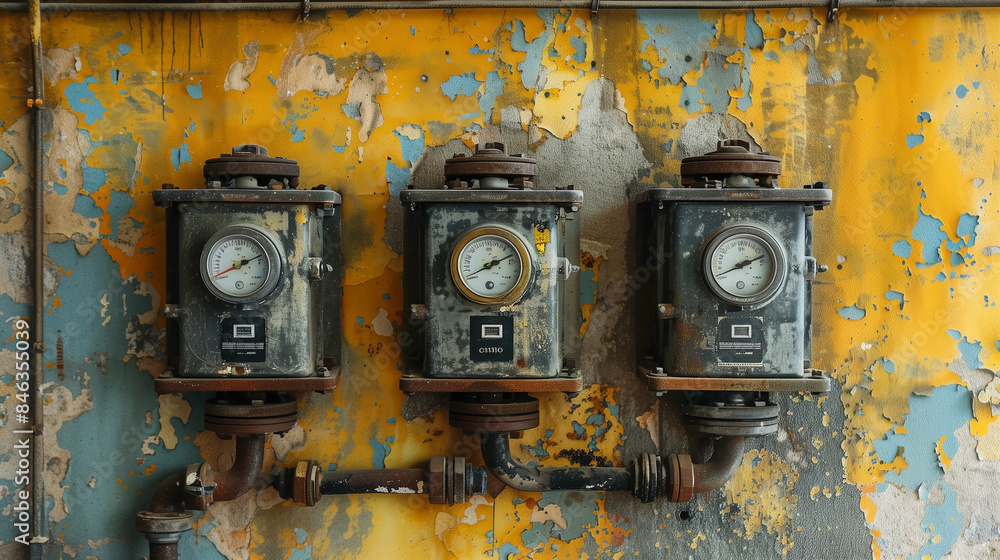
<point x="744" y="265"/>
<point x="491" y="265"/>
<point x="241" y="264"/>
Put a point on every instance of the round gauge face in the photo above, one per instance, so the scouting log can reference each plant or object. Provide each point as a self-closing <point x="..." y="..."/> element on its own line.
<point x="744" y="265"/>
<point x="491" y="266"/>
<point x="241" y="264"/>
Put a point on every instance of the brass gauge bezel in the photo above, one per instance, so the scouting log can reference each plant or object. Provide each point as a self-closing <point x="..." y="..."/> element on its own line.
<point x="771" y="246"/>
<point x="272" y="264"/>
<point x="512" y="295"/>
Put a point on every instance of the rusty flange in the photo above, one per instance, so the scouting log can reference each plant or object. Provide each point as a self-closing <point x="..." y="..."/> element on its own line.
<point x="254" y="416"/>
<point x="731" y="165"/>
<point x="473" y="414"/>
<point x="249" y="166"/>
<point x="305" y="487"/>
<point x="727" y="420"/>
<point x="491" y="167"/>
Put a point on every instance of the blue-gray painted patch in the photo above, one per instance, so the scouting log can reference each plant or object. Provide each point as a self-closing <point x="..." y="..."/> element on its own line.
<point x="6" y="161"/>
<point x="195" y="91"/>
<point x="947" y="409"/>
<point x="914" y="140"/>
<point x="929" y="231"/>
<point x="753" y="32"/>
<point x="463" y="84"/>
<point x="180" y="155"/>
<point x="397" y="177"/>
<point x="942" y="522"/>
<point x="93" y="177"/>
<point x="902" y="248"/>
<point x="579" y="45"/>
<point x="532" y="65"/>
<point x="82" y="100"/>
<point x="896" y="296"/>
<point x="679" y="37"/>
<point x="852" y="312"/>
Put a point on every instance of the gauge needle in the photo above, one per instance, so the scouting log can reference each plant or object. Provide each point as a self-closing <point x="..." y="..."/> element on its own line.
<point x="491" y="264"/>
<point x="742" y="264"/>
<point x="237" y="265"/>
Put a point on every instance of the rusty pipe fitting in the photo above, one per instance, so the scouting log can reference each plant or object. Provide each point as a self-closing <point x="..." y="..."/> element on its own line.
<point x="167" y="517"/>
<point x="496" y="455"/>
<point x="448" y="480"/>
<point x="239" y="479"/>
<point x="726" y="458"/>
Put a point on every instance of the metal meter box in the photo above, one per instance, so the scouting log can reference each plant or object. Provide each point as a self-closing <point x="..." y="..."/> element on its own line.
<point x="730" y="295"/>
<point x="489" y="283"/>
<point x="253" y="271"/>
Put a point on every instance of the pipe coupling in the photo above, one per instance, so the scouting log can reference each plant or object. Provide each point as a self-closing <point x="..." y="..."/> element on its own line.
<point x="451" y="481"/>
<point x="199" y="483"/>
<point x="163" y="527"/>
<point x="305" y="485"/>
<point x="649" y="477"/>
<point x="680" y="478"/>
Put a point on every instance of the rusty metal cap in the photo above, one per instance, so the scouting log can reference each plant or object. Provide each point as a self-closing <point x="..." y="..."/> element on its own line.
<point x="248" y="161"/>
<point x="733" y="157"/>
<point x="492" y="168"/>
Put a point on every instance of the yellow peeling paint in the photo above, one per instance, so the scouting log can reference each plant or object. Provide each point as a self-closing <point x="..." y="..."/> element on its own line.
<point x="762" y="493"/>
<point x="172" y="406"/>
<point x="836" y="101"/>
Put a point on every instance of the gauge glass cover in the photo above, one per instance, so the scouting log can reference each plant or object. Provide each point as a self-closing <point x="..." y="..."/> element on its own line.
<point x="241" y="264"/>
<point x="744" y="265"/>
<point x="491" y="266"/>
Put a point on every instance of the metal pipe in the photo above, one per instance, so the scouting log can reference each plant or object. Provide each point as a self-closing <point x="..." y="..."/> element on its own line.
<point x="247" y="464"/>
<point x="383" y="481"/>
<point x="496" y="455"/>
<point x="163" y="551"/>
<point x="168" y="516"/>
<point x="726" y="458"/>
<point x="499" y="4"/>
<point x="37" y="103"/>
<point x="169" y="496"/>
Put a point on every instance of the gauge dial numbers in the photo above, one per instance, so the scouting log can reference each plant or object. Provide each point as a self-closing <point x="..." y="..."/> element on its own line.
<point x="241" y="264"/>
<point x="491" y="265"/>
<point x="744" y="265"/>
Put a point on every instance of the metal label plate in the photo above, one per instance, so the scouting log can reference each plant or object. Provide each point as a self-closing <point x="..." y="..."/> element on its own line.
<point x="243" y="339"/>
<point x="491" y="338"/>
<point x="740" y="341"/>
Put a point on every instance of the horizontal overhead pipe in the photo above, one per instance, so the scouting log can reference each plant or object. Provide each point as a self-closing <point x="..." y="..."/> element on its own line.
<point x="508" y="4"/>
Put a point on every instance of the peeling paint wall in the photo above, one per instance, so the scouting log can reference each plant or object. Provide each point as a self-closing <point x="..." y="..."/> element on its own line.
<point x="893" y="108"/>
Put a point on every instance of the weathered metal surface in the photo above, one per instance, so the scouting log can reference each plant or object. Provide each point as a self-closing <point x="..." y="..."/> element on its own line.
<point x="733" y="157"/>
<point x="810" y="384"/>
<point x="490" y="162"/>
<point x="472" y="414"/>
<point x="497" y="457"/>
<point x="568" y="384"/>
<point x="444" y="347"/>
<point x="294" y="328"/>
<point x="698" y="337"/>
<point x="170" y="384"/>
<point x="261" y="417"/>
<point x="250" y="161"/>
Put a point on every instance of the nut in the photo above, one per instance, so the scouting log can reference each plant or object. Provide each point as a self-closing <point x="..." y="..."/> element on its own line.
<point x="437" y="486"/>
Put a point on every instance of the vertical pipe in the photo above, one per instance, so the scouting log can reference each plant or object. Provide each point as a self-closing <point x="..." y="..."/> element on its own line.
<point x="38" y="307"/>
